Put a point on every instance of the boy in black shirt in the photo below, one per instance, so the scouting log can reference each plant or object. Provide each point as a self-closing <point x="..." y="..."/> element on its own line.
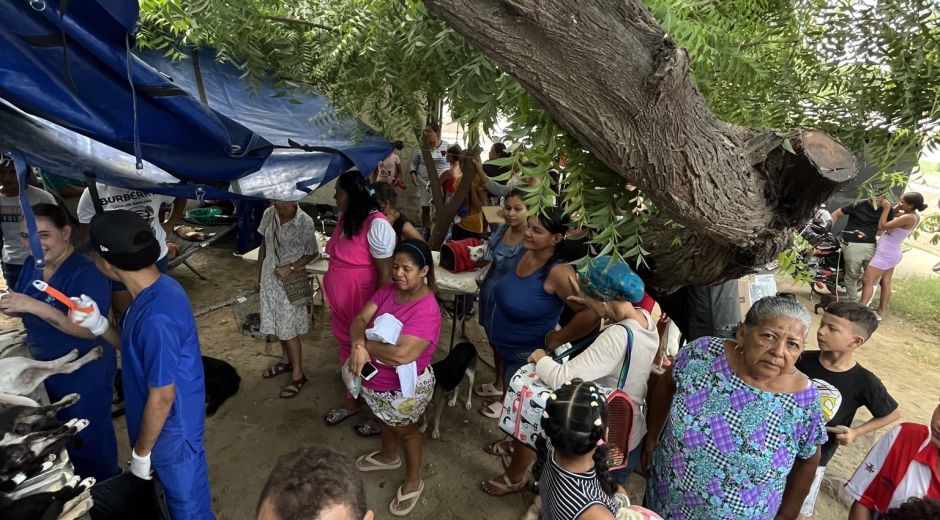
<point x="844" y="328"/>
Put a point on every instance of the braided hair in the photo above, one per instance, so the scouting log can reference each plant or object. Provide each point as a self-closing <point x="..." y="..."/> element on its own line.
<point x="361" y="202"/>
<point x="575" y="420"/>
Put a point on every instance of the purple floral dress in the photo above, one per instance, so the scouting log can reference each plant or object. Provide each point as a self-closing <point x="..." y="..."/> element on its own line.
<point x="728" y="447"/>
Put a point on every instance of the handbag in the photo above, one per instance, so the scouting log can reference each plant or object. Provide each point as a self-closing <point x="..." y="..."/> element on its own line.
<point x="526" y="396"/>
<point x="296" y="284"/>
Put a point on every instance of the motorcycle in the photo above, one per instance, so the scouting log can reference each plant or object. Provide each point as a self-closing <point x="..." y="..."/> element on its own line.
<point x="825" y="261"/>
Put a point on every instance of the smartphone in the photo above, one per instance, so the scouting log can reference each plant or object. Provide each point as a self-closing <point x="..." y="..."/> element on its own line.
<point x="368" y="371"/>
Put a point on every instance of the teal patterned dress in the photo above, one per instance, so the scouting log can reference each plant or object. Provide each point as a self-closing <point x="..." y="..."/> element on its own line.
<point x="728" y="447"/>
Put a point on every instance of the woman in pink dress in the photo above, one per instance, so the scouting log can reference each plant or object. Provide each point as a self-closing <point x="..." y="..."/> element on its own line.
<point x="360" y="262"/>
<point x="897" y="224"/>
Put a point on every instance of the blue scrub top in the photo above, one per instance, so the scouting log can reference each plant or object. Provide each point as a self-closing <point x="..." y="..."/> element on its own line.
<point x="160" y="346"/>
<point x="76" y="276"/>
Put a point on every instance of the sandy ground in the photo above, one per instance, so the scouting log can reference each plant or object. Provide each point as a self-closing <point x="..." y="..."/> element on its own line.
<point x="255" y="427"/>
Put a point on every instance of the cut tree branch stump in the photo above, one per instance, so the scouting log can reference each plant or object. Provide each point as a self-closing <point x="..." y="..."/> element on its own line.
<point x="735" y="191"/>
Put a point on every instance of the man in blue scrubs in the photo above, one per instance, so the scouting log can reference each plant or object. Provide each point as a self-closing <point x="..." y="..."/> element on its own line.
<point x="164" y="386"/>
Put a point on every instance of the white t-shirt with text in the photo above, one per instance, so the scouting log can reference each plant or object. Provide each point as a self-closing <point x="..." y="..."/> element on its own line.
<point x="145" y="204"/>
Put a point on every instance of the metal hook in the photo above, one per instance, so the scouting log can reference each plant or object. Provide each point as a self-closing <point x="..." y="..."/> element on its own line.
<point x="200" y="193"/>
<point x="38" y="5"/>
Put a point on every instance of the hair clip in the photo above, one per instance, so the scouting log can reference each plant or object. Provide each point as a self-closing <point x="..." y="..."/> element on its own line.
<point x="598" y="422"/>
<point x="600" y="442"/>
<point x="594" y="395"/>
<point x="371" y="192"/>
<point x="553" y="396"/>
<point x="594" y="404"/>
<point x="593" y="389"/>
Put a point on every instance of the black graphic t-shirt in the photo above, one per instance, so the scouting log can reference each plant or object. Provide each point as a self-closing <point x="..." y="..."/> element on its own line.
<point x="862" y="217"/>
<point x="857" y="387"/>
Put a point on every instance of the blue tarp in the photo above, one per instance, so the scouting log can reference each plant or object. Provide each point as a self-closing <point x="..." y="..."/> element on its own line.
<point x="69" y="84"/>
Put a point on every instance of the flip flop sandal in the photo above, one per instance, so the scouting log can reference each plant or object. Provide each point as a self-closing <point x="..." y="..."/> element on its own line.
<point x="395" y="507"/>
<point x="493" y="410"/>
<point x="276" y="370"/>
<point x="290" y="391"/>
<point x="499" y="448"/>
<point x="338" y="415"/>
<point x="501" y="486"/>
<point x="368" y="463"/>
<point x="487" y="390"/>
<point x="368" y="428"/>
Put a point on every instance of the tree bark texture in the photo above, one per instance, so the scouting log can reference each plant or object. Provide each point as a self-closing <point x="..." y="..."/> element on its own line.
<point x="609" y="75"/>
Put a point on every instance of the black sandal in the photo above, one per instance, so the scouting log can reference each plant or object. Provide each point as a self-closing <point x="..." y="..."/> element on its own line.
<point x="277" y="369"/>
<point x="293" y="388"/>
<point x="368" y="428"/>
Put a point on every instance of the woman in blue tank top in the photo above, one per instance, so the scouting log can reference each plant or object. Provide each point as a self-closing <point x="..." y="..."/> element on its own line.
<point x="528" y="300"/>
<point x="527" y="303"/>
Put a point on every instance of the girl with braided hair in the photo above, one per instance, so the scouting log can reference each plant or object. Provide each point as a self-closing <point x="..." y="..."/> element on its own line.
<point x="571" y="469"/>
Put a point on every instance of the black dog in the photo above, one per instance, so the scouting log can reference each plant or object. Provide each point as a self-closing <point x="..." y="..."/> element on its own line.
<point x="222" y="382"/>
<point x="460" y="364"/>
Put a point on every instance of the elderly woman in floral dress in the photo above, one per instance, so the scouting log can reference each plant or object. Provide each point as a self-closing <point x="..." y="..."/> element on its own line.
<point x="742" y="425"/>
<point x="289" y="245"/>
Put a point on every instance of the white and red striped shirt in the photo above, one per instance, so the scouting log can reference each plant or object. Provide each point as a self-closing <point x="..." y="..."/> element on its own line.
<point x="902" y="465"/>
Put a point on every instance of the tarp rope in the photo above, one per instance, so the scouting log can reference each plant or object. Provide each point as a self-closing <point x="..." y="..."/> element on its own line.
<point x="21" y="173"/>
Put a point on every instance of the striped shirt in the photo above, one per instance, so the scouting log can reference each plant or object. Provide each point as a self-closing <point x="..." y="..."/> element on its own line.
<point x="439" y="155"/>
<point x="902" y="465"/>
<point x="566" y="495"/>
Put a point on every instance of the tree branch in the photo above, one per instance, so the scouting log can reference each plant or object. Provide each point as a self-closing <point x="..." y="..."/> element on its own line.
<point x="736" y="190"/>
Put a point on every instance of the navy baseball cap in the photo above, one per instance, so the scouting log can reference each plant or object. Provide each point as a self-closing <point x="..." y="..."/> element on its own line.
<point x="124" y="239"/>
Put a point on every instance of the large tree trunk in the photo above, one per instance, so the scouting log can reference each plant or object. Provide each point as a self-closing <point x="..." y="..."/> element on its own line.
<point x="609" y="75"/>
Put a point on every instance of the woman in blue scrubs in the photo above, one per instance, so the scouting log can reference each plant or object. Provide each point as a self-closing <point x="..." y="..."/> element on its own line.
<point x="50" y="335"/>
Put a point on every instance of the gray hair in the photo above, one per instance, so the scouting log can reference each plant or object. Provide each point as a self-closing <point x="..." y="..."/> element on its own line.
<point x="771" y="307"/>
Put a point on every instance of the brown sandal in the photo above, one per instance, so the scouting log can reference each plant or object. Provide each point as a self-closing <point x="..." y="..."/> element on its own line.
<point x="501" y="486"/>
<point x="500" y="448"/>
<point x="276" y="370"/>
<point x="290" y="391"/>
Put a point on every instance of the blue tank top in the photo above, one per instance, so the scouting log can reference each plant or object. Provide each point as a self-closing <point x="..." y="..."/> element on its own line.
<point x="523" y="313"/>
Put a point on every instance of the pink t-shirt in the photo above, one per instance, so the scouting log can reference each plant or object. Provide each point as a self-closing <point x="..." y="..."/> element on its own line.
<point x="420" y="318"/>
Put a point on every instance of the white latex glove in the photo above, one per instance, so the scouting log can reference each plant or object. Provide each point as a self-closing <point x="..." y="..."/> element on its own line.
<point x="140" y="466"/>
<point x="89" y="319"/>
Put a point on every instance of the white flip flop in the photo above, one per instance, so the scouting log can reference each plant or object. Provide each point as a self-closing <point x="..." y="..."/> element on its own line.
<point x="487" y="390"/>
<point x="399" y="498"/>
<point x="493" y="410"/>
<point x="368" y="462"/>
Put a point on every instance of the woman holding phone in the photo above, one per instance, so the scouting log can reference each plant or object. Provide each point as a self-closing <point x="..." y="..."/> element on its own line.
<point x="397" y="378"/>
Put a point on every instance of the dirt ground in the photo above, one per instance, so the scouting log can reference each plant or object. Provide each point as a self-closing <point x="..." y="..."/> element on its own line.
<point x="254" y="427"/>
